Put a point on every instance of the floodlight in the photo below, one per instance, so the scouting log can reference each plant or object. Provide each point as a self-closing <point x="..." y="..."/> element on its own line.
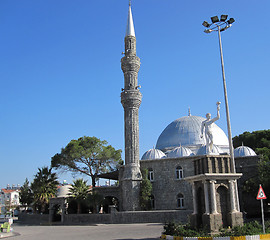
<point x="214" y="19"/>
<point x="231" y="20"/>
<point x="206" y="24"/>
<point x="208" y="30"/>
<point x="223" y="18"/>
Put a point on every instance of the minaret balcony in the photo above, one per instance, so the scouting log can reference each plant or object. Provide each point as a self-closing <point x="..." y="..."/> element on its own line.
<point x="131" y="98"/>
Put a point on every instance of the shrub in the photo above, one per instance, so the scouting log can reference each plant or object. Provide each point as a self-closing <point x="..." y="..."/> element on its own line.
<point x="179" y="229"/>
<point x="251" y="228"/>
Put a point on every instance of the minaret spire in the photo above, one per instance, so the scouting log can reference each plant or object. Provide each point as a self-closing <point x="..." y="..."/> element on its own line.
<point x="131" y="100"/>
<point x="130" y="31"/>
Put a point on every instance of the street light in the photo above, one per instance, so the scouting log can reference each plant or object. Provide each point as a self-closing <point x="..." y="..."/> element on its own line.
<point x="220" y="26"/>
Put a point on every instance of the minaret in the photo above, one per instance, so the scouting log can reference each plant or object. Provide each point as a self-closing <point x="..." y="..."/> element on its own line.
<point x="131" y="100"/>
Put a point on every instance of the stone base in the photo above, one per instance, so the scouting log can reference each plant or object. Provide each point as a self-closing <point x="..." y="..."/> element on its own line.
<point x="193" y="218"/>
<point x="212" y="222"/>
<point x="130" y="195"/>
<point x="236" y="219"/>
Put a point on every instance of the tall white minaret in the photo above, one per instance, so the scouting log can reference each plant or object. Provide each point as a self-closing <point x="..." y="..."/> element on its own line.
<point x="131" y="100"/>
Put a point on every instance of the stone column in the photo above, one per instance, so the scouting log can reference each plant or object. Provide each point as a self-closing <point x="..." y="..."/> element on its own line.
<point x="194" y="194"/>
<point x="232" y="195"/>
<point x="213" y="197"/>
<point x="206" y="198"/>
<point x="236" y="196"/>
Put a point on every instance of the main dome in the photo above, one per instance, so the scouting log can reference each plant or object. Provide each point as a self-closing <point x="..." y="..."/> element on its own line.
<point x="186" y="131"/>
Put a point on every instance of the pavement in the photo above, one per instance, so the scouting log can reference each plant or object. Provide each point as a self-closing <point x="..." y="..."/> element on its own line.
<point x="93" y="232"/>
<point x="9" y="234"/>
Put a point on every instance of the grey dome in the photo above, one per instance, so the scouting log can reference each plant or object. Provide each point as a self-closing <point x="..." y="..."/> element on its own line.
<point x="63" y="191"/>
<point x="186" y="131"/>
<point x="244" y="151"/>
<point x="179" y="152"/>
<point x="216" y="150"/>
<point x="153" y="154"/>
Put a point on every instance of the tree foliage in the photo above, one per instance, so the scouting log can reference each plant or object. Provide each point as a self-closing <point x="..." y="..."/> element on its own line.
<point x="44" y="187"/>
<point x="88" y="155"/>
<point x="257" y="140"/>
<point x="260" y="142"/>
<point x="145" y="191"/>
<point x="26" y="195"/>
<point x="95" y="200"/>
<point x="79" y="191"/>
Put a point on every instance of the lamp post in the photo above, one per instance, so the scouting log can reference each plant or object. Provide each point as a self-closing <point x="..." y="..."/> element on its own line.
<point x="220" y="25"/>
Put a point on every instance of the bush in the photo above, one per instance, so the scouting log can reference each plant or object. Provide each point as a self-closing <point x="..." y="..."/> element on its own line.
<point x="179" y="229"/>
<point x="251" y="228"/>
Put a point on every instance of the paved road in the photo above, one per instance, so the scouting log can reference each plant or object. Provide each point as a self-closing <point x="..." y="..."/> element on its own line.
<point x="93" y="232"/>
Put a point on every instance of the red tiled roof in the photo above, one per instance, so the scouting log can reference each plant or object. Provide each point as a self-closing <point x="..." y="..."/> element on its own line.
<point x="8" y="190"/>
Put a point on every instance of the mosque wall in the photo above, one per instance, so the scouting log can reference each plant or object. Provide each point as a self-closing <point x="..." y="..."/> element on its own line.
<point x="249" y="167"/>
<point x="169" y="187"/>
<point x="170" y="190"/>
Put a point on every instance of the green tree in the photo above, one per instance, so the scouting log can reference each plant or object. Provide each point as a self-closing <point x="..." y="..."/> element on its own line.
<point x="145" y="191"/>
<point x="88" y="155"/>
<point x="26" y="195"/>
<point x="44" y="187"/>
<point x="260" y="142"/>
<point x="95" y="200"/>
<point x="79" y="191"/>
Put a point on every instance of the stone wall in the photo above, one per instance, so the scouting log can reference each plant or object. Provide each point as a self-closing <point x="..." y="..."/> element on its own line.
<point x="249" y="167"/>
<point x="85" y="219"/>
<point x="113" y="218"/>
<point x="166" y="186"/>
<point x="151" y="216"/>
<point x="33" y="219"/>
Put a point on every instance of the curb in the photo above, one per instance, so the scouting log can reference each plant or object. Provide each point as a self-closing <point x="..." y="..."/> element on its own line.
<point x="252" y="237"/>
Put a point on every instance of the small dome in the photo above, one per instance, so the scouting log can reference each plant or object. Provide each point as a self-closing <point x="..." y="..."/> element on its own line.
<point x="63" y="191"/>
<point x="153" y="154"/>
<point x="244" y="151"/>
<point x="216" y="150"/>
<point x="179" y="152"/>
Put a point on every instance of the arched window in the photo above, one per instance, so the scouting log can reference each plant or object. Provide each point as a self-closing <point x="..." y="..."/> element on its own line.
<point x="179" y="172"/>
<point x="180" y="200"/>
<point x="152" y="202"/>
<point x="151" y="174"/>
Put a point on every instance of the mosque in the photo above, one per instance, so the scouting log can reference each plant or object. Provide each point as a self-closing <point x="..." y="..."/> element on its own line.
<point x="201" y="185"/>
<point x="186" y="178"/>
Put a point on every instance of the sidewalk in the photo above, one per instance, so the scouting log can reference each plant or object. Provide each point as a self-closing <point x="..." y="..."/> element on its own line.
<point x="9" y="234"/>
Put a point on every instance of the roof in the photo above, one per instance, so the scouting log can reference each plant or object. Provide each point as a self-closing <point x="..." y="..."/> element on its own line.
<point x="111" y="175"/>
<point x="179" y="152"/>
<point x="153" y="154"/>
<point x="8" y="190"/>
<point x="244" y="151"/>
<point x="186" y="131"/>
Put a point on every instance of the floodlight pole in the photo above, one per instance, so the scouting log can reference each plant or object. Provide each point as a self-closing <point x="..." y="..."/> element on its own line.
<point x="226" y="105"/>
<point x="218" y="26"/>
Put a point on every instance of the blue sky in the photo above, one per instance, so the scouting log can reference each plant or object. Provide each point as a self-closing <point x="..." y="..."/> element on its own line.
<point x="60" y="74"/>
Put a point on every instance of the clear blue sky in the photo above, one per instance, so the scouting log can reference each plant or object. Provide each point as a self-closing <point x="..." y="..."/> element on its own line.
<point x="61" y="78"/>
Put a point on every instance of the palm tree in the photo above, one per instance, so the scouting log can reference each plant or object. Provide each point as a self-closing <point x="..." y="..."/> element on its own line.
<point x="44" y="187"/>
<point x="79" y="191"/>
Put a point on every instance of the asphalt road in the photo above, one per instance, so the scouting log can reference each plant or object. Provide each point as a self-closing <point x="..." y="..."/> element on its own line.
<point x="93" y="232"/>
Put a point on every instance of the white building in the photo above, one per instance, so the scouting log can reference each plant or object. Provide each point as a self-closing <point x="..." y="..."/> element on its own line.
<point x="9" y="197"/>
